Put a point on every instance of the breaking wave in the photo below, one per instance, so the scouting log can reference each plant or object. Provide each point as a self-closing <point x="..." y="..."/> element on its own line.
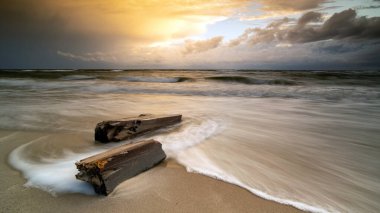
<point x="195" y="161"/>
<point x="189" y="137"/>
<point x="248" y="80"/>
<point x="78" y="77"/>
<point x="55" y="174"/>
<point x="155" y="79"/>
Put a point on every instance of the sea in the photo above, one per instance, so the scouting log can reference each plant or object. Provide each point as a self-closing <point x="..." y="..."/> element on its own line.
<point x="310" y="139"/>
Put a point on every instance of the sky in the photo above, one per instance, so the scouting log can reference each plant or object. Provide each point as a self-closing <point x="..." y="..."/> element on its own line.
<point x="190" y="34"/>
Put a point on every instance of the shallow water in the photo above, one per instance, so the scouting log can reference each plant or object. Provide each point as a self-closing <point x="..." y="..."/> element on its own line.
<point x="308" y="139"/>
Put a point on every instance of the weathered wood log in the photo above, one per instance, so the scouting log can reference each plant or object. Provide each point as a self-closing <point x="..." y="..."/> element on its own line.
<point x="128" y="128"/>
<point x="106" y="170"/>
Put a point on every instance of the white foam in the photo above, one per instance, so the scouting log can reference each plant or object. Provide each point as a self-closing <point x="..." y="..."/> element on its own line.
<point x="191" y="136"/>
<point x="56" y="175"/>
<point x="56" y="70"/>
<point x="197" y="162"/>
<point x="15" y="82"/>
<point x="33" y="84"/>
<point x="78" y="77"/>
<point x="152" y="79"/>
<point x="52" y="175"/>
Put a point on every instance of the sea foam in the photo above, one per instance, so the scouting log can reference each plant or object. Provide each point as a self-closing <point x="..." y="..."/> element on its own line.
<point x="153" y="79"/>
<point x="191" y="136"/>
<point x="197" y="162"/>
<point x="78" y="77"/>
<point x="52" y="175"/>
<point x="56" y="175"/>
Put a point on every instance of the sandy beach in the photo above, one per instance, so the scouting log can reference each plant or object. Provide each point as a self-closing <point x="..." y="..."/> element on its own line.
<point x="253" y="137"/>
<point x="165" y="188"/>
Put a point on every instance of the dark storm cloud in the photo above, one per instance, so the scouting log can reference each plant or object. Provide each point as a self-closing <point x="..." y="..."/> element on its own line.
<point x="337" y="48"/>
<point x="309" y="17"/>
<point x="343" y="25"/>
<point x="342" y="41"/>
<point x="337" y="54"/>
<point x="354" y="54"/>
<point x="32" y="33"/>
<point x="22" y="17"/>
<point x="343" y="54"/>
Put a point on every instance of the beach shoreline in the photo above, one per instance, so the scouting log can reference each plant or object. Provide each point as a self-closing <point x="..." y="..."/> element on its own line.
<point x="165" y="188"/>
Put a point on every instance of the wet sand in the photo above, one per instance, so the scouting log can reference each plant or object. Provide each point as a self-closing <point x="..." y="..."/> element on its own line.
<point x="165" y="188"/>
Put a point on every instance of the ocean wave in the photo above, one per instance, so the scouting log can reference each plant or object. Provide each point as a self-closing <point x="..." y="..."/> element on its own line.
<point x="12" y="82"/>
<point x="78" y="77"/>
<point x="47" y="70"/>
<point x="36" y="70"/>
<point x="51" y="175"/>
<point x="197" y="162"/>
<point x="333" y="75"/>
<point x="154" y="79"/>
<point x="253" y="81"/>
<point x="37" y="84"/>
<point x="193" y="134"/>
<point x="309" y="92"/>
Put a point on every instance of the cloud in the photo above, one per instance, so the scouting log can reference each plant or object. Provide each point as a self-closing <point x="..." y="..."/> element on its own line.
<point x="309" y="17"/>
<point x="89" y="57"/>
<point x="290" y="5"/>
<point x="122" y="34"/>
<point x="271" y="9"/>
<point x="342" y="25"/>
<point x="336" y="54"/>
<point x="137" y="21"/>
<point x="33" y="31"/>
<point x="258" y="35"/>
<point x="331" y="54"/>
<point x="202" y="45"/>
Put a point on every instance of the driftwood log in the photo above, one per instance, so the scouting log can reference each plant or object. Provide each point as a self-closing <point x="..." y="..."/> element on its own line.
<point x="106" y="170"/>
<point x="128" y="128"/>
